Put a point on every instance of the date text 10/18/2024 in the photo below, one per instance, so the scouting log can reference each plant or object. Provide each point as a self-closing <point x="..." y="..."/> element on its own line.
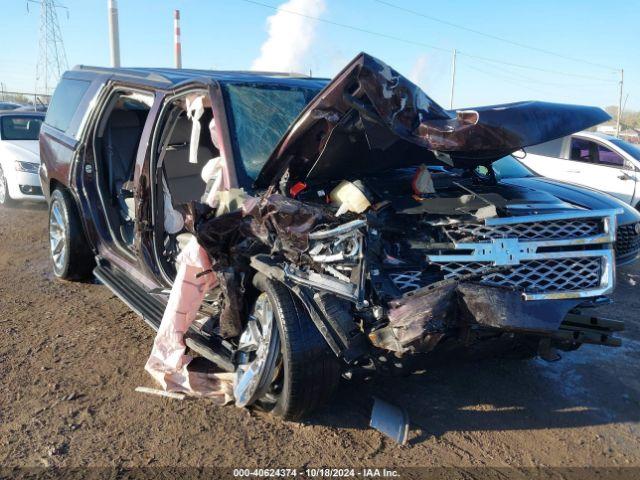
<point x="316" y="472"/>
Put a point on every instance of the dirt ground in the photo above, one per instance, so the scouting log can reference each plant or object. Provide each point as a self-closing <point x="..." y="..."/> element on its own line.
<point x="72" y="354"/>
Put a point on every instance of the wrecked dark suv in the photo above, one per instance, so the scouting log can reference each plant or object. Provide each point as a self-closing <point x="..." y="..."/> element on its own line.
<point x="353" y="227"/>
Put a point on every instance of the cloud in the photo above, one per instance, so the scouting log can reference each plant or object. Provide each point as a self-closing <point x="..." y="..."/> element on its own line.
<point x="290" y="37"/>
<point x="419" y="70"/>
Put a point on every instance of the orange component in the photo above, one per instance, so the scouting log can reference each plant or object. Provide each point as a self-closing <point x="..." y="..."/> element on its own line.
<point x="297" y="188"/>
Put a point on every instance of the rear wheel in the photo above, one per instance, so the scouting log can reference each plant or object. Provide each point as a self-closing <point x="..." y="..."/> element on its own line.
<point x="71" y="257"/>
<point x="5" y="199"/>
<point x="286" y="367"/>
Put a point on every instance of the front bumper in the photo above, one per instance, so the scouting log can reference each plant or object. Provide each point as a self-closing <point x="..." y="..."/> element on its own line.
<point x="25" y="186"/>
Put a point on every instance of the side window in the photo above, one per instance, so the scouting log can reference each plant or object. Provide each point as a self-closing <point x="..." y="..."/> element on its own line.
<point x="552" y="148"/>
<point x="609" y="158"/>
<point x="583" y="150"/>
<point x="65" y="102"/>
<point x="20" y="128"/>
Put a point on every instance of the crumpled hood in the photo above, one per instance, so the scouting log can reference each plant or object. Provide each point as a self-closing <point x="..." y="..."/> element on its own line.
<point x="370" y="118"/>
<point x="23" y="150"/>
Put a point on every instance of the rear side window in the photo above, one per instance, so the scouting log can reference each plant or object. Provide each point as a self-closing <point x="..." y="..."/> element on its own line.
<point x="583" y="150"/>
<point x="65" y="102"/>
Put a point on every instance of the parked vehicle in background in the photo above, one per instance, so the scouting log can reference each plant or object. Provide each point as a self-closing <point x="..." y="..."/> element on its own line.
<point x="19" y="156"/>
<point x="9" y="106"/>
<point x="356" y="225"/>
<point x="514" y="172"/>
<point x="591" y="159"/>
<point x="33" y="108"/>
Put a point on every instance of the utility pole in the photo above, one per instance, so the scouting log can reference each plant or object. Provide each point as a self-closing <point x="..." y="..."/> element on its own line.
<point x="453" y="78"/>
<point x="620" y="103"/>
<point x="114" y="33"/>
<point x="52" y="59"/>
<point x="624" y="104"/>
<point x="176" y="39"/>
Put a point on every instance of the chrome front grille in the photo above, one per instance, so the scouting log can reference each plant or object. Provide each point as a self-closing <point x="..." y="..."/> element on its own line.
<point x="547" y="230"/>
<point x="627" y="241"/>
<point x="536" y="276"/>
<point x="557" y="255"/>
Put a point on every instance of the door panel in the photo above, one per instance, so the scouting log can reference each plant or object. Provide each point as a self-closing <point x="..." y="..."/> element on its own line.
<point x="549" y="159"/>
<point x="551" y="167"/>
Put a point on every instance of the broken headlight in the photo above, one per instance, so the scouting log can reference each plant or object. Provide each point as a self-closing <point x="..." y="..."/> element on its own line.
<point x="339" y="250"/>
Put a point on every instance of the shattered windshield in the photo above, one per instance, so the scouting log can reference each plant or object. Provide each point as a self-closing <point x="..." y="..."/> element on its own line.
<point x="260" y="115"/>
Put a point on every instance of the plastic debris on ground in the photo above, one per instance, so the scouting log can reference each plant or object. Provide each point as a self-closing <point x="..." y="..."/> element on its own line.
<point x="161" y="393"/>
<point x="391" y="420"/>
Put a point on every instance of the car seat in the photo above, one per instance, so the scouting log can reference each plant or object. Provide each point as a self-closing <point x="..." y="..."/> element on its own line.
<point x="183" y="178"/>
<point x="122" y="137"/>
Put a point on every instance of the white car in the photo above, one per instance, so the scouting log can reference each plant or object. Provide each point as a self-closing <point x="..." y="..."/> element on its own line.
<point x="20" y="156"/>
<point x="591" y="159"/>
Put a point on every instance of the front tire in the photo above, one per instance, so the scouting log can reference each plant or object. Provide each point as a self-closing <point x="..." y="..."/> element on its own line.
<point x="71" y="256"/>
<point x="306" y="372"/>
<point x="5" y="198"/>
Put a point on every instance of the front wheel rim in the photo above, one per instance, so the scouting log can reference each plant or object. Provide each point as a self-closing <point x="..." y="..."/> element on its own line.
<point x="57" y="237"/>
<point x="258" y="352"/>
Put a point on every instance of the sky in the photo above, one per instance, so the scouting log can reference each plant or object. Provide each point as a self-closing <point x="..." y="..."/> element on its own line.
<point x="591" y="41"/>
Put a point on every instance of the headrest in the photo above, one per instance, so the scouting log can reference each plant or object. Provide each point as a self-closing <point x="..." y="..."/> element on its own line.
<point x="181" y="131"/>
<point x="124" y="119"/>
<point x="575" y="153"/>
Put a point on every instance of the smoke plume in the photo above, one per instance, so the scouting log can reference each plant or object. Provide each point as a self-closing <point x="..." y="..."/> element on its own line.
<point x="290" y="37"/>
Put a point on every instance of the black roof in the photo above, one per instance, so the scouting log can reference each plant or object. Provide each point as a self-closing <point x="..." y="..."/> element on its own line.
<point x="170" y="77"/>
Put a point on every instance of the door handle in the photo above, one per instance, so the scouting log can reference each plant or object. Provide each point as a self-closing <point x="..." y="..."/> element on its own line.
<point x="574" y="171"/>
<point x="624" y="176"/>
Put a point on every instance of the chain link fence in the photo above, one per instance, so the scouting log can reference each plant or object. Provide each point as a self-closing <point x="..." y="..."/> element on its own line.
<point x="24" y="98"/>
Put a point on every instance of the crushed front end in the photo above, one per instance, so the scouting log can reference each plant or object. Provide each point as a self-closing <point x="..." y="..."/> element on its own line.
<point x="520" y="274"/>
<point x="403" y="280"/>
<point x="383" y="214"/>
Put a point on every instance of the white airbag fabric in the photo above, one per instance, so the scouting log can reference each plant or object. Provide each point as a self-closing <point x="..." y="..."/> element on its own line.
<point x="168" y="362"/>
<point x="173" y="220"/>
<point x="195" y="109"/>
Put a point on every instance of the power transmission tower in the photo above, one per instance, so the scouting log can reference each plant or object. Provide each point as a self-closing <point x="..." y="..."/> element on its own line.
<point x="52" y="58"/>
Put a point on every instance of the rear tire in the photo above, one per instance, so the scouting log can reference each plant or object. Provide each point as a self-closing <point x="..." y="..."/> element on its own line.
<point x="5" y="198"/>
<point x="71" y="257"/>
<point x="310" y="371"/>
